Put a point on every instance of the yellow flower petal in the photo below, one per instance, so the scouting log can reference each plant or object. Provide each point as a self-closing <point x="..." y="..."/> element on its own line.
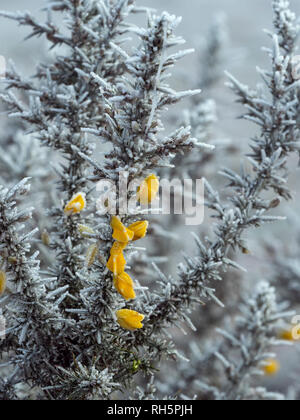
<point x="130" y="320"/>
<point x="288" y="335"/>
<point x="12" y="260"/>
<point x="45" y="238"/>
<point x="148" y="190"/>
<point x="116" y="264"/>
<point x="124" y="285"/>
<point x="136" y="365"/>
<point x="120" y="232"/>
<point x="76" y="204"/>
<point x="2" y="282"/>
<point x="139" y="229"/>
<point x="271" y="367"/>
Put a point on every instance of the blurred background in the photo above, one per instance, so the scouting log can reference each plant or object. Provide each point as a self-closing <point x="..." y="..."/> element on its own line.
<point x="243" y="23"/>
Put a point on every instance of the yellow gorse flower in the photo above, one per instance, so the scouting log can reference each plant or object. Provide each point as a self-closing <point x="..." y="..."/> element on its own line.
<point x="148" y="190"/>
<point x="124" y="285"/>
<point x="130" y="320"/>
<point x="271" y="367"/>
<point x="120" y="232"/>
<point x="139" y="229"/>
<point x="2" y="282"/>
<point x="76" y="204"/>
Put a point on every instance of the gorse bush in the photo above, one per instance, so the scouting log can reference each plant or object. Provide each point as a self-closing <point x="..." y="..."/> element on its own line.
<point x="80" y="323"/>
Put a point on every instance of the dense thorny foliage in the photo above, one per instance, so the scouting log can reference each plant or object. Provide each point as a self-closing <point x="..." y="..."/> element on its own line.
<point x="92" y="111"/>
